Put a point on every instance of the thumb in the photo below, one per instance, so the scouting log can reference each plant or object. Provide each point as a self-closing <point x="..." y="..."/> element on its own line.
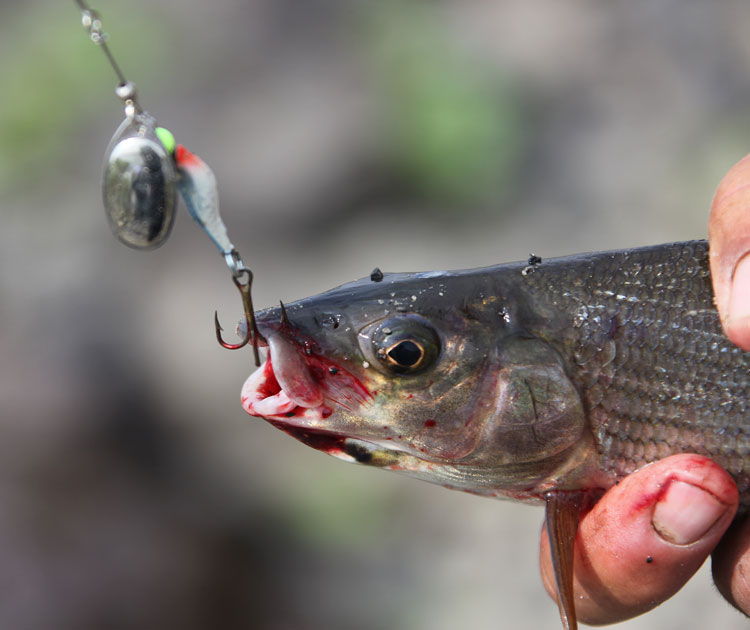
<point x="646" y="537"/>
<point x="729" y="240"/>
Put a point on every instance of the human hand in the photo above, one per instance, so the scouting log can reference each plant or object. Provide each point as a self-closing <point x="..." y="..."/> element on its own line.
<point x="729" y="246"/>
<point x="646" y="537"/>
<point x="674" y="511"/>
<point x="729" y="241"/>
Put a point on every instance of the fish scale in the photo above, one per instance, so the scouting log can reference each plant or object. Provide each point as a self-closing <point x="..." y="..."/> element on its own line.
<point x="646" y="350"/>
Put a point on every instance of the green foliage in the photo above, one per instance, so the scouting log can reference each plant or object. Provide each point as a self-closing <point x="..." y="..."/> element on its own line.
<point x="334" y="510"/>
<point x="455" y="125"/>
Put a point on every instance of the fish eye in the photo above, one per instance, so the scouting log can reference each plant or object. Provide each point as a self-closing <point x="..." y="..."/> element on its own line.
<point x="406" y="344"/>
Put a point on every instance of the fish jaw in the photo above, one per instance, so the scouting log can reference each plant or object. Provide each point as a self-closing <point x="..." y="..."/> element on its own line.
<point x="320" y="428"/>
<point x="316" y="421"/>
<point x="319" y="402"/>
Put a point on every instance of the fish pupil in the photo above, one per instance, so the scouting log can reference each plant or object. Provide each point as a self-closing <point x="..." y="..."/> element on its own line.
<point x="406" y="353"/>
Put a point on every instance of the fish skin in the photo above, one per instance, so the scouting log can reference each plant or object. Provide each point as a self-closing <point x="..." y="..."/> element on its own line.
<point x="626" y="347"/>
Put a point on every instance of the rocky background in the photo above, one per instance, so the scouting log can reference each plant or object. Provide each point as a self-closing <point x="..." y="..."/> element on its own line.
<point x="345" y="134"/>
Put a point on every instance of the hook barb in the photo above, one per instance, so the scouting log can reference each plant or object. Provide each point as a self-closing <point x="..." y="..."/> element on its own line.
<point x="284" y="318"/>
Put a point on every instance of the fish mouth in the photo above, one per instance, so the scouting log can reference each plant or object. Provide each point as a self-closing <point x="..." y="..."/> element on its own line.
<point x="263" y="396"/>
<point x="315" y="400"/>
<point x="297" y="392"/>
<point x="298" y="387"/>
<point x="320" y="403"/>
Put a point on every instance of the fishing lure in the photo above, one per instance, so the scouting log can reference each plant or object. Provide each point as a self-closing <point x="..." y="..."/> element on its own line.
<point x="144" y="168"/>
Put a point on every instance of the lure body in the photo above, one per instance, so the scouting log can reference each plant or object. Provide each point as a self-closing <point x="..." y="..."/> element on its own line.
<point x="139" y="184"/>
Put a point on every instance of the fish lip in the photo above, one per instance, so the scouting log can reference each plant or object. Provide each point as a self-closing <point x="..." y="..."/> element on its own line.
<point x="296" y="385"/>
<point x="264" y="397"/>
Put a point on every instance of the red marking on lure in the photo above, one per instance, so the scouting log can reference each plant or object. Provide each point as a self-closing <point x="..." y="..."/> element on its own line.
<point x="183" y="157"/>
<point x="430" y="423"/>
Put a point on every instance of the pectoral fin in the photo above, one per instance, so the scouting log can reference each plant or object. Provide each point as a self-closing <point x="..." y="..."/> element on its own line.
<point x="563" y="514"/>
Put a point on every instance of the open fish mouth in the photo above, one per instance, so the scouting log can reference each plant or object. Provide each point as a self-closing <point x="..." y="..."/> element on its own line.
<point x="298" y="387"/>
<point x="263" y="396"/>
<point x="298" y="392"/>
<point x="319" y="402"/>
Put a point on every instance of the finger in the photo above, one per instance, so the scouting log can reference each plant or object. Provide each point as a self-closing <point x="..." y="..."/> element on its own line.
<point x="730" y="565"/>
<point x="646" y="537"/>
<point x="729" y="240"/>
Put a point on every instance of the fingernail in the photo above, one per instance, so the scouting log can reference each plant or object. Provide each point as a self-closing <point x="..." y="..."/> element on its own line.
<point x="686" y="513"/>
<point x="739" y="297"/>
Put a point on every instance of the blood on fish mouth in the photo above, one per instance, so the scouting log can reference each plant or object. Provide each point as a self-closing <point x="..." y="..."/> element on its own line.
<point x="300" y="389"/>
<point x="262" y="395"/>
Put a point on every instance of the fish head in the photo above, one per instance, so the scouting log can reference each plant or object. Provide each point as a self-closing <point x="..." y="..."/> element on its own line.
<point x="399" y="375"/>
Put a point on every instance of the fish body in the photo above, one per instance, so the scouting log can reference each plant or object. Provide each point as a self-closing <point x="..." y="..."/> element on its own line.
<point x="537" y="381"/>
<point x="567" y="374"/>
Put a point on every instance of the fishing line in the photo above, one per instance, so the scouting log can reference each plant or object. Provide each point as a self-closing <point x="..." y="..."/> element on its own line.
<point x="93" y="24"/>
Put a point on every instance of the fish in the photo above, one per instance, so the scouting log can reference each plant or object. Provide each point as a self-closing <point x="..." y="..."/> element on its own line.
<point x="543" y="381"/>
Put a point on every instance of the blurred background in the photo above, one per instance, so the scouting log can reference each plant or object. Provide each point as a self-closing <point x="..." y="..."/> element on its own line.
<point x="345" y="134"/>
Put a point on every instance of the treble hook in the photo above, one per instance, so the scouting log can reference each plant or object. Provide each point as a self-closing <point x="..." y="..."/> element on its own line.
<point x="251" y="333"/>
